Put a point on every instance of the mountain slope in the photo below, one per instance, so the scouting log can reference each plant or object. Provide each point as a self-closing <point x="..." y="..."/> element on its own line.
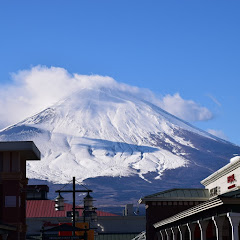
<point x="97" y="134"/>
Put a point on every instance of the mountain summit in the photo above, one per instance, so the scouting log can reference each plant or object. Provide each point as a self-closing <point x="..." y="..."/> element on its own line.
<point x="108" y="136"/>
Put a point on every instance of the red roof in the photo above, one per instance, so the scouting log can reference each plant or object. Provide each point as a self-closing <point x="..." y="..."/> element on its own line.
<point x="45" y="208"/>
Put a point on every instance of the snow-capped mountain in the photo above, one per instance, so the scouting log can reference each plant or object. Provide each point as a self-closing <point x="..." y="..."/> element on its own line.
<point x="119" y="143"/>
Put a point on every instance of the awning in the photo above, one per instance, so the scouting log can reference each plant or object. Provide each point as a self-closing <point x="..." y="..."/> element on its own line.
<point x="210" y="204"/>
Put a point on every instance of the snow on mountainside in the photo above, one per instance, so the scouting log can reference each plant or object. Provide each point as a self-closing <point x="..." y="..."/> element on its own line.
<point x="105" y="132"/>
<point x="101" y="133"/>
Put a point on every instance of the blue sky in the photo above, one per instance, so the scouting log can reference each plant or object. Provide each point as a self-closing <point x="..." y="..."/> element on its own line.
<point x="173" y="46"/>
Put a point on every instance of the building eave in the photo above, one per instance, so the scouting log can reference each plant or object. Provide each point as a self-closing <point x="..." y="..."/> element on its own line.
<point x="28" y="149"/>
<point x="163" y="196"/>
<point x="221" y="172"/>
<point x="215" y="202"/>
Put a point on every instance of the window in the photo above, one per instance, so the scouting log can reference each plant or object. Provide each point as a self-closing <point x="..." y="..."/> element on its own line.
<point x="1" y="162"/>
<point x="10" y="201"/>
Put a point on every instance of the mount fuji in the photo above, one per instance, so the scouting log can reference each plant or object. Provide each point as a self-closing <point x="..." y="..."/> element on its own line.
<point x="119" y="144"/>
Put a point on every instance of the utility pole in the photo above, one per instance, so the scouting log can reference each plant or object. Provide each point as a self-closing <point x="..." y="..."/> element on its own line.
<point x="74" y="208"/>
<point x="59" y="202"/>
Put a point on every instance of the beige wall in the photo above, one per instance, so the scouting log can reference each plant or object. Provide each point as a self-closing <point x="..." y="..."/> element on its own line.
<point x="225" y="179"/>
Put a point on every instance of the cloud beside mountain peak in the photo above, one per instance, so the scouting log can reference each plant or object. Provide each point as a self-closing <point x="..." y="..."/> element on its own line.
<point x="40" y="87"/>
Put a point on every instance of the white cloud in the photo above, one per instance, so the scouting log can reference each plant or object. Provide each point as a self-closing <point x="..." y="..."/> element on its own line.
<point x="218" y="133"/>
<point x="39" y="87"/>
<point x="185" y="109"/>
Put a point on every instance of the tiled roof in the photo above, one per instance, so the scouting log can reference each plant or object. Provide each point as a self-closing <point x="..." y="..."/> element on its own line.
<point x="45" y="208"/>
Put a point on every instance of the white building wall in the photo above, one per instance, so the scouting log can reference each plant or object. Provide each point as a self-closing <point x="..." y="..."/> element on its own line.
<point x="224" y="180"/>
<point x="224" y="184"/>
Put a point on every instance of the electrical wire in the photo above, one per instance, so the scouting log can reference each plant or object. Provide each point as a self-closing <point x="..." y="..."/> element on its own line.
<point x="82" y="185"/>
<point x="65" y="185"/>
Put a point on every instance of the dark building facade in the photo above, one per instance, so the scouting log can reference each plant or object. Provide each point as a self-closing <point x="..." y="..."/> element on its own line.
<point x="37" y="192"/>
<point x="216" y="218"/>
<point x="168" y="203"/>
<point x="13" y="182"/>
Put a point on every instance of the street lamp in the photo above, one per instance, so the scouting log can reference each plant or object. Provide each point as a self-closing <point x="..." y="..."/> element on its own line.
<point x="88" y="202"/>
<point x="88" y="209"/>
<point x="59" y="203"/>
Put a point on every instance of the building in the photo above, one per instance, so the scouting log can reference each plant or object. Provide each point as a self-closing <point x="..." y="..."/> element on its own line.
<point x="41" y="214"/>
<point x="13" y="182"/>
<point x="165" y="204"/>
<point x="37" y="192"/>
<point x="217" y="217"/>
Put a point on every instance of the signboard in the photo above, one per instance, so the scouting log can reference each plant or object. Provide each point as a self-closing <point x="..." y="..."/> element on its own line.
<point x="214" y="191"/>
<point x="231" y="179"/>
<point x="90" y="233"/>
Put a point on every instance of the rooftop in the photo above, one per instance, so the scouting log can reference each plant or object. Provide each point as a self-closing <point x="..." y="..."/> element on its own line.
<point x="46" y="208"/>
<point x="231" y="198"/>
<point x="221" y="172"/>
<point x="178" y="194"/>
<point x="28" y="149"/>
